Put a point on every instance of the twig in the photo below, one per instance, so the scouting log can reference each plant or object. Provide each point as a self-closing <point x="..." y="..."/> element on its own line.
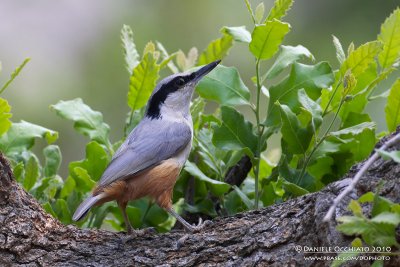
<point x="358" y="175"/>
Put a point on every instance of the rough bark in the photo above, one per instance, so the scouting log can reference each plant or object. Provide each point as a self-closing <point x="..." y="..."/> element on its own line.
<point x="267" y="237"/>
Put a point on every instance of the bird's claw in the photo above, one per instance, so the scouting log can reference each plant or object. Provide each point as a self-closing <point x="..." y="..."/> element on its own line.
<point x="193" y="229"/>
<point x="200" y="225"/>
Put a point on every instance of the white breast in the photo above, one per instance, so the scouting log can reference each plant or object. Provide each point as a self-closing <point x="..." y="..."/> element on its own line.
<point x="173" y="116"/>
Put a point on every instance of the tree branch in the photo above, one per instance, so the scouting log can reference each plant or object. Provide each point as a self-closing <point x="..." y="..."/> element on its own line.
<point x="266" y="237"/>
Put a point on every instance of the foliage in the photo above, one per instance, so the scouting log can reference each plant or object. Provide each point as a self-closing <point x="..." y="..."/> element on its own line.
<point x="377" y="230"/>
<point x="317" y="112"/>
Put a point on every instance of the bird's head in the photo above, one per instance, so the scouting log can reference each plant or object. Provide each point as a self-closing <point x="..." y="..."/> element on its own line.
<point x="175" y="91"/>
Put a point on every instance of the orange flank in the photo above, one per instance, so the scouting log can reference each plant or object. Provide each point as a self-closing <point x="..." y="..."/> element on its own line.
<point x="156" y="183"/>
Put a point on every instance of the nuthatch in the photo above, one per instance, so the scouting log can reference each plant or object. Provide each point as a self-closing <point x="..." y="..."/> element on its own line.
<point x="148" y="163"/>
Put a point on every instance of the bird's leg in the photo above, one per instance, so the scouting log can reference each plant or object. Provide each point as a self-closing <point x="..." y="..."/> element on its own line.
<point x="129" y="228"/>
<point x="187" y="225"/>
<point x="181" y="241"/>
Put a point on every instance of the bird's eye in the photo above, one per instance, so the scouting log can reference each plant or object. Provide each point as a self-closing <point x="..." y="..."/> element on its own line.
<point x="180" y="81"/>
<point x="192" y="76"/>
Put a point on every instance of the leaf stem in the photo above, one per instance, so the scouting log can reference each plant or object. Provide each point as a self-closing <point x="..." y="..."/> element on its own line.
<point x="308" y="158"/>
<point x="260" y="131"/>
<point x="330" y="99"/>
<point x="250" y="10"/>
<point x="14" y="74"/>
<point x="91" y="218"/>
<point x="110" y="147"/>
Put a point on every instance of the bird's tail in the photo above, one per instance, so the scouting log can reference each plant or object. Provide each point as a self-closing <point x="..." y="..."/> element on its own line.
<point x="85" y="206"/>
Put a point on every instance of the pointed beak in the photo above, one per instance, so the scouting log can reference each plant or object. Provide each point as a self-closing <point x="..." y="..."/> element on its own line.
<point x="203" y="71"/>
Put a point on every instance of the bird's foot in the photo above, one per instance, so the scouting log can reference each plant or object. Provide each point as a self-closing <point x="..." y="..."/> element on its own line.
<point x="192" y="229"/>
<point x="200" y="225"/>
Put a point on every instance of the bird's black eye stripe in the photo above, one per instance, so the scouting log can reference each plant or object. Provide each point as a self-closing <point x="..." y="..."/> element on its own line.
<point x="153" y="108"/>
<point x="180" y="81"/>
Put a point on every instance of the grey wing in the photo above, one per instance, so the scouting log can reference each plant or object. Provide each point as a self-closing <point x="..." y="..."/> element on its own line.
<point x="150" y="143"/>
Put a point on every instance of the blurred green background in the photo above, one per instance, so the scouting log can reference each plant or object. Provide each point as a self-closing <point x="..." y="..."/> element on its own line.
<point x="76" y="49"/>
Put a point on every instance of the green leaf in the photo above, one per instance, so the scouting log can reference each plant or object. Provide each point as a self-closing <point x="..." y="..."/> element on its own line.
<point x="344" y="147"/>
<point x="351" y="111"/>
<point x="340" y="55"/>
<point x="279" y="10"/>
<point x="250" y="10"/>
<point x="69" y="186"/>
<point x="32" y="172"/>
<point x="208" y="152"/>
<point x="312" y="78"/>
<point x="46" y="188"/>
<point x="351" y="225"/>
<point x="62" y="211"/>
<point x="296" y="137"/>
<point x="392" y="108"/>
<point x="359" y="60"/>
<point x="249" y="203"/>
<point x="292" y="188"/>
<point x="217" y="188"/>
<point x="19" y="172"/>
<point x="185" y="63"/>
<point x="130" y="52"/>
<point x="86" y="121"/>
<point x="239" y="34"/>
<point x="21" y="137"/>
<point x="387" y="217"/>
<point x="357" y="242"/>
<point x="197" y="109"/>
<point x="142" y="81"/>
<point x="312" y="108"/>
<point x="287" y="56"/>
<point x="48" y="208"/>
<point x="5" y="114"/>
<point x="393" y="155"/>
<point x="350" y="49"/>
<point x="14" y="75"/>
<point x="381" y="204"/>
<point x="52" y="155"/>
<point x="354" y="130"/>
<point x="268" y="195"/>
<point x="390" y="37"/>
<point x="155" y="216"/>
<point x="216" y="50"/>
<point x="83" y="180"/>
<point x="259" y="14"/>
<point x="95" y="162"/>
<point x="380" y="235"/>
<point x="377" y="263"/>
<point x="359" y="140"/>
<point x="320" y="167"/>
<point x="224" y="86"/>
<point x="367" y="197"/>
<point x="205" y="206"/>
<point x="355" y="207"/>
<point x="234" y="133"/>
<point x="265" y="39"/>
<point x="99" y="214"/>
<point x="134" y="215"/>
